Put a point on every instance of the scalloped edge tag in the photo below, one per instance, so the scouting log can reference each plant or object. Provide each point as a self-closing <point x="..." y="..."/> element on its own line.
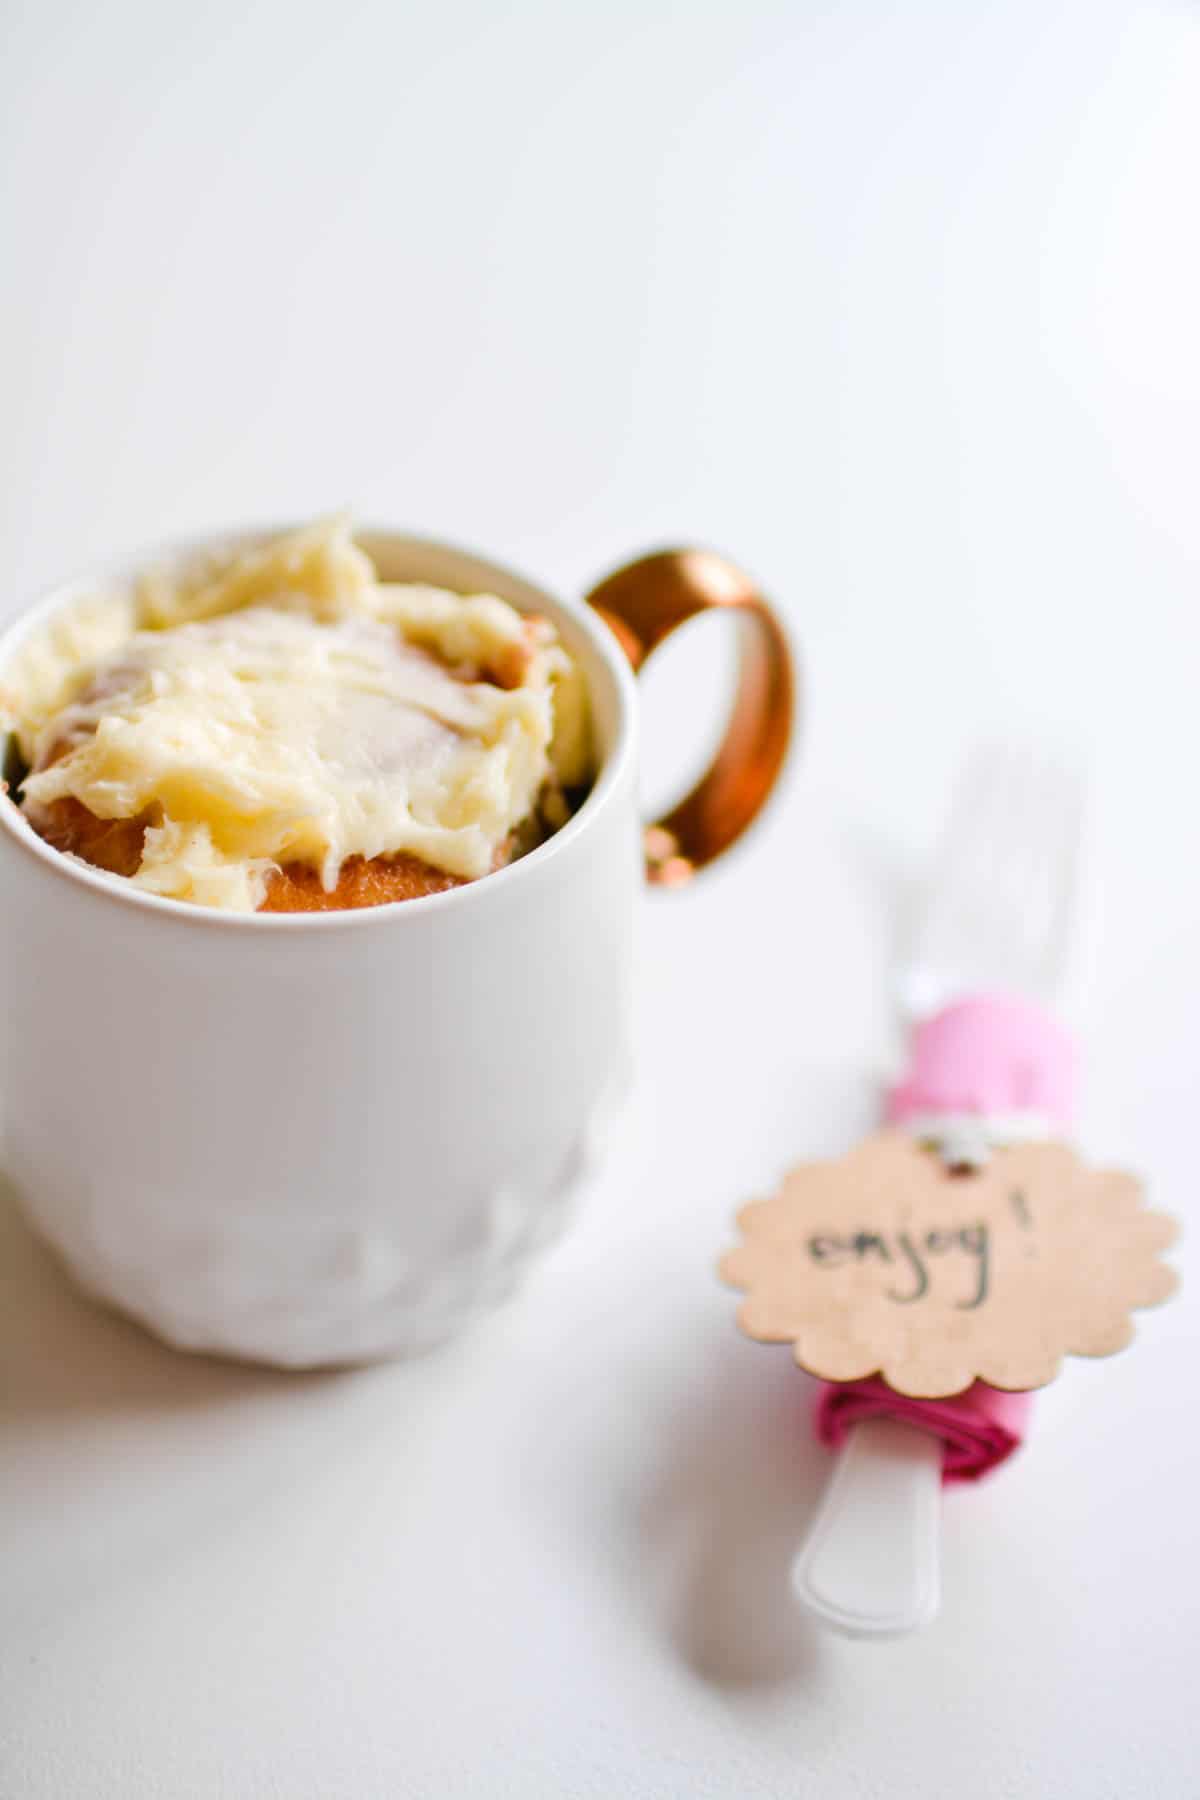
<point x="886" y="1262"/>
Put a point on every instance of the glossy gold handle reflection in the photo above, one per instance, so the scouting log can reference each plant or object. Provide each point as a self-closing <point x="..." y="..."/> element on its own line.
<point x="643" y="603"/>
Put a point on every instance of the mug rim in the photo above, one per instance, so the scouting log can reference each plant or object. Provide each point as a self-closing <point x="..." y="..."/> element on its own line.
<point x="104" y="885"/>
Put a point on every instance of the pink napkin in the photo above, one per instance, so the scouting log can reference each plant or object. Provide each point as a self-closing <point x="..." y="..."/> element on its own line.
<point x="978" y="1428"/>
<point x="986" y="1054"/>
<point x="990" y="1053"/>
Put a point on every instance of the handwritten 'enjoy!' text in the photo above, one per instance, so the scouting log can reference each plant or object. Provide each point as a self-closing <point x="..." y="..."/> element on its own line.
<point x="910" y="1253"/>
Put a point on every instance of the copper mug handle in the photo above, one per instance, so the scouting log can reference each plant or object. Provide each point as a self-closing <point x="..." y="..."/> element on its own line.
<point x="643" y="603"/>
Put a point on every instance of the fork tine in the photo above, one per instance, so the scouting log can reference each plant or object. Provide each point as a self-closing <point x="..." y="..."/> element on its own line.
<point x="999" y="910"/>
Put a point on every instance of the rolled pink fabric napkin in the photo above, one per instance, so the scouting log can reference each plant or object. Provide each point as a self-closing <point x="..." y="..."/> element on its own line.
<point x="985" y="1054"/>
<point x="979" y="1428"/>
<point x="989" y="1053"/>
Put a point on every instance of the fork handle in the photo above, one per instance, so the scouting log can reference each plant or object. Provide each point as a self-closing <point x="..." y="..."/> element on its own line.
<point x="871" y="1563"/>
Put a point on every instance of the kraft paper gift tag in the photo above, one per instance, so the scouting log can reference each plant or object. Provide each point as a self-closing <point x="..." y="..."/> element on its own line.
<point x="888" y="1262"/>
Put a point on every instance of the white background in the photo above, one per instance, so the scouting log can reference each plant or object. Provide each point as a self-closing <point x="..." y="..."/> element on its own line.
<point x="899" y="303"/>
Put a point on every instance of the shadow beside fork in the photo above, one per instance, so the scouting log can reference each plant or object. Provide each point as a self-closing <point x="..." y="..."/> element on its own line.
<point x="726" y="1513"/>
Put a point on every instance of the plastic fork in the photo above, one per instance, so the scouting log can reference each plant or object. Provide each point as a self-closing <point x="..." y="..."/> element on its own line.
<point x="1001" y="899"/>
<point x="997" y="919"/>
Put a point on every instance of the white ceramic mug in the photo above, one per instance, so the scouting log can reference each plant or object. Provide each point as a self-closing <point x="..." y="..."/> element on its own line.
<point x="332" y="1137"/>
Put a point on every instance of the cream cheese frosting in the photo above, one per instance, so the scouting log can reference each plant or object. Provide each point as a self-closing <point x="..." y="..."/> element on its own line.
<point x="283" y="705"/>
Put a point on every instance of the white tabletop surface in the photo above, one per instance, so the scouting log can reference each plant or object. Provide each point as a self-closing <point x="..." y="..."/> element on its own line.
<point x="898" y="302"/>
